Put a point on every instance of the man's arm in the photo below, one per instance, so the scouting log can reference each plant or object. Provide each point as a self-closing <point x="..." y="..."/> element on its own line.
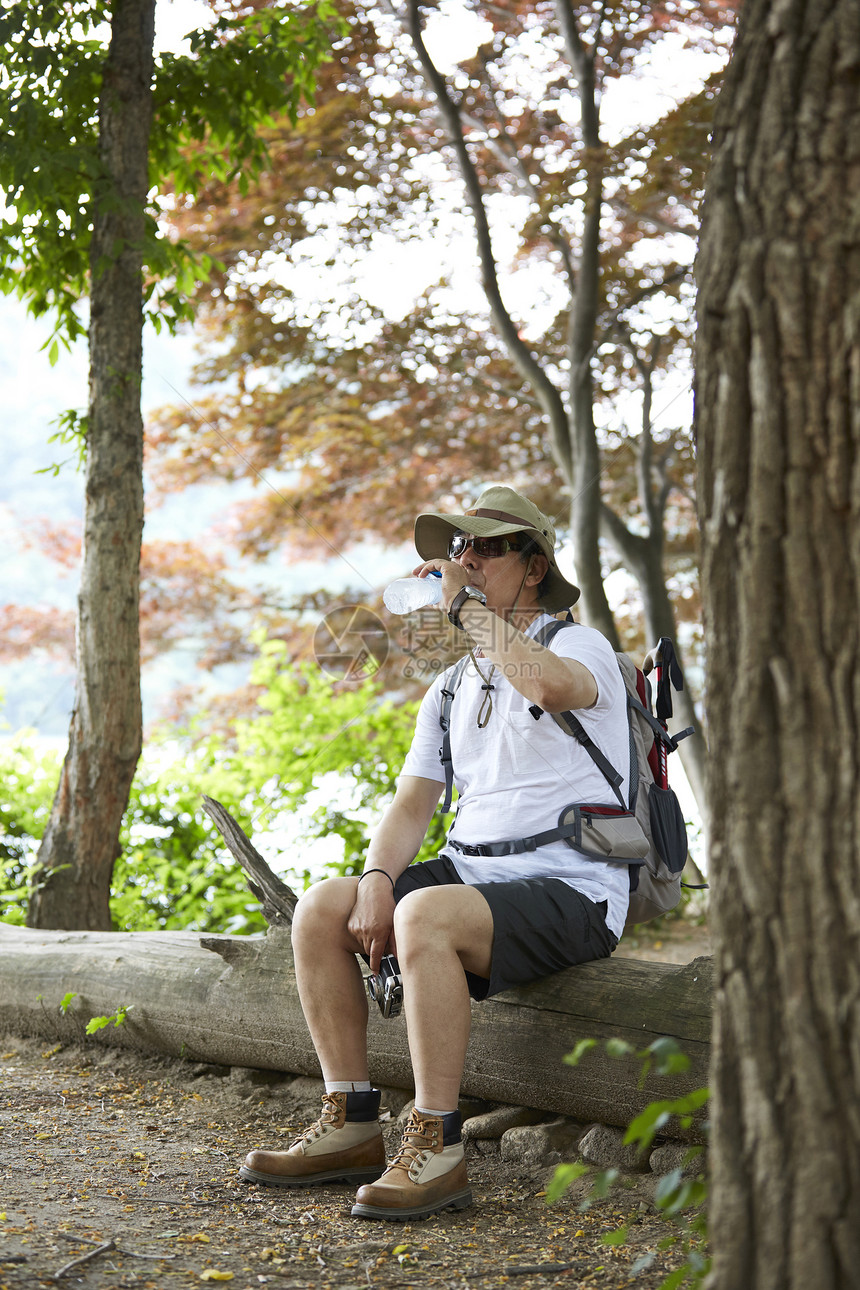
<point x="541" y="676"/>
<point x="395" y="843"/>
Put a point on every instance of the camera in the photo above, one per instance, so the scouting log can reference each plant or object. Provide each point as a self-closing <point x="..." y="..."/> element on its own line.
<point x="386" y="988"/>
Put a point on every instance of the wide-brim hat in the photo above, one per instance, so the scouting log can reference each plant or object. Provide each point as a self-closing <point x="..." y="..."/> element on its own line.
<point x="497" y="512"/>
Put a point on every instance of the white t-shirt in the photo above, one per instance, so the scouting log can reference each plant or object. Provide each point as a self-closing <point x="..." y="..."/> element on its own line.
<point x="515" y="776"/>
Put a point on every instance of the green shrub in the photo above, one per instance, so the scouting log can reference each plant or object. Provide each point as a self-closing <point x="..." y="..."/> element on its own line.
<point x="318" y="761"/>
<point x="680" y="1199"/>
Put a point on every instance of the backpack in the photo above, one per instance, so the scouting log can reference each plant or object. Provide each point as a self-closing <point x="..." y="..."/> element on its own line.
<point x="647" y="831"/>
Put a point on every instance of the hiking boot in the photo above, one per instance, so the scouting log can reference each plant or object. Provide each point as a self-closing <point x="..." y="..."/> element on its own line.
<point x="427" y="1175"/>
<point x="344" y="1145"/>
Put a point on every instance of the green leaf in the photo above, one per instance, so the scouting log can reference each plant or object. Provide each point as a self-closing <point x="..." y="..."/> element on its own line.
<point x="564" y="1177"/>
<point x="583" y="1046"/>
<point x="667" y="1056"/>
<point x="602" y="1183"/>
<point x="676" y="1278"/>
<point x="618" y="1237"/>
<point x="211" y="113"/>
<point x="648" y="1124"/>
<point x="66" y="1001"/>
<point x="667" y="1186"/>
<point x="97" y="1023"/>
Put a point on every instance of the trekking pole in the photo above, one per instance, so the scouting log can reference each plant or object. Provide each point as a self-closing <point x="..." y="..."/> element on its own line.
<point x="664" y="662"/>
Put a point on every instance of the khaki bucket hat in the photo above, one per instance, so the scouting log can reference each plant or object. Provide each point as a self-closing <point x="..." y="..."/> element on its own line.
<point x="499" y="511"/>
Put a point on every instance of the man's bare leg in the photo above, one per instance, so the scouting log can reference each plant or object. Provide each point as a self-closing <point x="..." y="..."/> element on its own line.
<point x="440" y="931"/>
<point x="345" y="1144"/>
<point x="329" y="980"/>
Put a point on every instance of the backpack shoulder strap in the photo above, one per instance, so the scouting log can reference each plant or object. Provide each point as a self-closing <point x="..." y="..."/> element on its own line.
<point x="449" y="689"/>
<point x="571" y="724"/>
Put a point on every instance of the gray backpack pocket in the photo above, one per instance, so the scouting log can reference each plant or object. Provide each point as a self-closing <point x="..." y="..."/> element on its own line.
<point x="603" y="833"/>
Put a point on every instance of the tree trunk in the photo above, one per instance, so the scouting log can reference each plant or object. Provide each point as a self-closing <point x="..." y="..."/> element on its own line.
<point x="585" y="470"/>
<point x="81" y="841"/>
<point x="233" y="1000"/>
<point x="778" y="413"/>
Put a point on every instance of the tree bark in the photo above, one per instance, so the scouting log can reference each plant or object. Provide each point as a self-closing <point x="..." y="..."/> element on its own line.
<point x="233" y="1000"/>
<point x="778" y="418"/>
<point x="81" y="840"/>
<point x="583" y="477"/>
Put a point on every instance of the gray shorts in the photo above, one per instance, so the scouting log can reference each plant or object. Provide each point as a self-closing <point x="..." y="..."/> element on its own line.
<point x="540" y="925"/>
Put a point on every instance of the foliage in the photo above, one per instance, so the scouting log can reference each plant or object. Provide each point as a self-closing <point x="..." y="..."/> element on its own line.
<point x="117" y="1018"/>
<point x="312" y="737"/>
<point x="677" y="1193"/>
<point x="353" y="412"/>
<point x="209" y="106"/>
<point x="318" y="761"/>
<point x="170" y="873"/>
<point x="28" y="780"/>
<point x="355" y="399"/>
<point x="352" y="408"/>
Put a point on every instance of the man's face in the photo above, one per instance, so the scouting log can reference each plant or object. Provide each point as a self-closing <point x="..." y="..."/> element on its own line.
<point x="505" y="579"/>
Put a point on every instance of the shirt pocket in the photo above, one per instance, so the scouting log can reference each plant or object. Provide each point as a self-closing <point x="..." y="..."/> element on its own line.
<point x="527" y="752"/>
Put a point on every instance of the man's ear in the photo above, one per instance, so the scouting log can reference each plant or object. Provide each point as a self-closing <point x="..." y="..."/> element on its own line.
<point x="538" y="567"/>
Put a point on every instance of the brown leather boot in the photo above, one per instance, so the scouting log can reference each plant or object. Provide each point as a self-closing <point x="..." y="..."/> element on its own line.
<point x="426" y="1176"/>
<point x="344" y="1145"/>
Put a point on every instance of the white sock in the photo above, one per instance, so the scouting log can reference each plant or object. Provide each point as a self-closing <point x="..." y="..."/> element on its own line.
<point x="435" y="1114"/>
<point x="348" y="1086"/>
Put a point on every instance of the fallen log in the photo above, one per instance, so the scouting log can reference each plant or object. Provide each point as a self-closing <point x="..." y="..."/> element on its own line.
<point x="233" y="1001"/>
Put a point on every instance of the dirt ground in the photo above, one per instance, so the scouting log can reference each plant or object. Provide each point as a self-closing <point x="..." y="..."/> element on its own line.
<point x="120" y="1171"/>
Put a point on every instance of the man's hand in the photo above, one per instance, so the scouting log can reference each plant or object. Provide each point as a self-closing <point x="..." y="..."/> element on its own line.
<point x="372" y="919"/>
<point x="394" y="844"/>
<point x="454" y="578"/>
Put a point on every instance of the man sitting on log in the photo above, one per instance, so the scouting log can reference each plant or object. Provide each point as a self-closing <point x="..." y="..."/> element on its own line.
<point x="481" y="917"/>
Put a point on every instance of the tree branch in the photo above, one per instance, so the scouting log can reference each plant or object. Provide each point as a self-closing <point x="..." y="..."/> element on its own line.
<point x="582" y="63"/>
<point x="525" y="361"/>
<point x="277" y="899"/>
<point x="644" y="292"/>
<point x="630" y="546"/>
<point x="656" y="221"/>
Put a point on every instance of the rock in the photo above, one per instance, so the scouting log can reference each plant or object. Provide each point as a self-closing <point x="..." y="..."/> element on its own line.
<point x="254" y="1076"/>
<point x="605" y="1147"/>
<point x="492" y="1124"/>
<point x="541" y="1145"/>
<point x="675" y="1155"/>
<point x="405" y="1111"/>
<point x="211" y="1070"/>
<point x="473" y="1106"/>
<point x="394" y="1100"/>
<point x="306" y="1089"/>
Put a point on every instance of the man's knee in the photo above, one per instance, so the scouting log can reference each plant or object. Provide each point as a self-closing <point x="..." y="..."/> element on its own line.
<point x="323" y="907"/>
<point x="454" y="918"/>
<point x="414" y="917"/>
<point x="425" y="916"/>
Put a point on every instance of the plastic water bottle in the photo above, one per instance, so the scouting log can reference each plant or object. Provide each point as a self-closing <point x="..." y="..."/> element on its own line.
<point x="405" y="594"/>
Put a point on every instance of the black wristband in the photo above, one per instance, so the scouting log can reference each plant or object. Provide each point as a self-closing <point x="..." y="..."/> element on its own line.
<point x="385" y="871"/>
<point x="464" y="594"/>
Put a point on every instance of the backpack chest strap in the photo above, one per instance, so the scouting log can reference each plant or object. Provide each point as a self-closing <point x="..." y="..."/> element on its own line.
<point x="445" y="756"/>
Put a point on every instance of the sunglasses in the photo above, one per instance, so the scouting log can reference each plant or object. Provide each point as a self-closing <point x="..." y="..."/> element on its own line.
<point x="488" y="548"/>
